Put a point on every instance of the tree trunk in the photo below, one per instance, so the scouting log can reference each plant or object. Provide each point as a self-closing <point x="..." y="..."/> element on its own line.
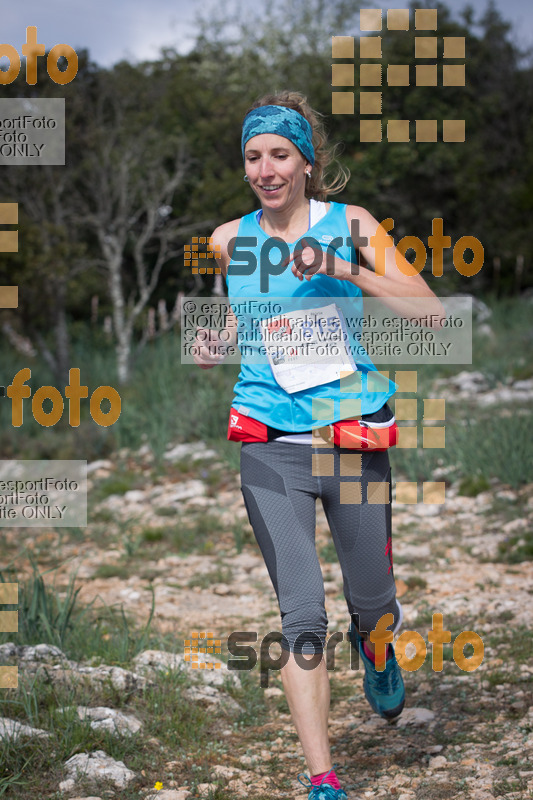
<point x="123" y="350"/>
<point x="62" y="338"/>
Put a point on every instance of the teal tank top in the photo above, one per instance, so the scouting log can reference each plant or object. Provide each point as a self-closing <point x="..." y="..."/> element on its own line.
<point x="261" y="292"/>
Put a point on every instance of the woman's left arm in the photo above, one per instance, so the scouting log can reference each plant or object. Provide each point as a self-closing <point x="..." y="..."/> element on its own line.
<point x="389" y="276"/>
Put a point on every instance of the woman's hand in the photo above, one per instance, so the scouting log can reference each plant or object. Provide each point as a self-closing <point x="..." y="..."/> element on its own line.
<point x="309" y="261"/>
<point x="208" y="349"/>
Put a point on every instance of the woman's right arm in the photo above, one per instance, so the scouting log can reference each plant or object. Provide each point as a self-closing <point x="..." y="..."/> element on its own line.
<point x="211" y="345"/>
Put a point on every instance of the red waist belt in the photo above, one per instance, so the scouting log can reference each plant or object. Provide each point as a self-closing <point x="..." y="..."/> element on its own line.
<point x="245" y="429"/>
<point x="355" y="435"/>
<point x="352" y="434"/>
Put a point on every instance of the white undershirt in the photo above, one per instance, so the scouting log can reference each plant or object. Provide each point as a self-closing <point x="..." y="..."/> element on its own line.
<point x="317" y="210"/>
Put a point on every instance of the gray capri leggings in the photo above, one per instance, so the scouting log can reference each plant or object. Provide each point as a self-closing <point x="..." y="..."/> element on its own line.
<point x="280" y="483"/>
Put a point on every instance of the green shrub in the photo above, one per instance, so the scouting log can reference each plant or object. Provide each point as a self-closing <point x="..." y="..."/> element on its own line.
<point x="112" y="571"/>
<point x="51" y="616"/>
<point x="472" y="486"/>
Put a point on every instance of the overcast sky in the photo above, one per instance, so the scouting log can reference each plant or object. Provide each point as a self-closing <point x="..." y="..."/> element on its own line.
<point x="137" y="29"/>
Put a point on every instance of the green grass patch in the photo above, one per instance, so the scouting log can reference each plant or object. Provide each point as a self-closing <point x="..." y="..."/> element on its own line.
<point x="174" y="728"/>
<point x="166" y="511"/>
<point x="103" y="515"/>
<point x="218" y="575"/>
<point x="242" y="535"/>
<point x="54" y="616"/>
<point x="198" y="533"/>
<point x="112" y="571"/>
<point x="118" y="483"/>
<point x="251" y="698"/>
<point x="328" y="553"/>
<point x="416" y="582"/>
<point x="514" y="644"/>
<point x="153" y="534"/>
<point x="172" y="725"/>
<point x="472" y="440"/>
<point x="472" y="486"/>
<point x="517" y="548"/>
<point x="169" y="715"/>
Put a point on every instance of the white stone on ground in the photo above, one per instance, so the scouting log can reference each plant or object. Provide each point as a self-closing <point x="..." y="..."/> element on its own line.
<point x="149" y="661"/>
<point x="109" y="719"/>
<point x="12" y="729"/>
<point x="415" y="716"/>
<point x="96" y="766"/>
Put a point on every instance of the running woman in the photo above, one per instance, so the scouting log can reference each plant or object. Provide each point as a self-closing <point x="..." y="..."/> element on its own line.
<point x="288" y="419"/>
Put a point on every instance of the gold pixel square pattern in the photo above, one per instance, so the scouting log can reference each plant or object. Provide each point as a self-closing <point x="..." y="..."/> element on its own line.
<point x="351" y="382"/>
<point x="9" y="677"/>
<point x="342" y="75"/>
<point x="9" y="296"/>
<point x="370" y="47"/>
<point x="199" y="643"/>
<point x="398" y="130"/>
<point x="398" y="75"/>
<point x="321" y="437"/>
<point x="453" y="130"/>
<point x="405" y="409"/>
<point x="426" y="130"/>
<point x="398" y="19"/>
<point x="454" y="47"/>
<point x="434" y="492"/>
<point x="342" y="47"/>
<point x="370" y="103"/>
<point x="453" y="75"/>
<point x="323" y="465"/>
<point x="370" y="75"/>
<point x="426" y="19"/>
<point x="426" y="74"/>
<point x="9" y="592"/>
<point x="433" y="438"/>
<point x="9" y="240"/>
<point x="322" y="408"/>
<point x="377" y="492"/>
<point x="434" y="408"/>
<point x="350" y="493"/>
<point x="192" y="254"/>
<point x="406" y="380"/>
<point x="342" y="103"/>
<point x="350" y="407"/>
<point x="426" y="47"/>
<point x="9" y="620"/>
<point x="407" y="438"/>
<point x="406" y="492"/>
<point x="9" y="213"/>
<point x="377" y="381"/>
<point x="351" y="464"/>
<point x="370" y="19"/>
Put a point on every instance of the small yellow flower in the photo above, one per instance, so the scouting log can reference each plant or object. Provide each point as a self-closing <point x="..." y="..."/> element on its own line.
<point x="158" y="786"/>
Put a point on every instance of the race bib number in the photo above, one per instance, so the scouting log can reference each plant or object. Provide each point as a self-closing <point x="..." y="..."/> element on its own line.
<point x="307" y="348"/>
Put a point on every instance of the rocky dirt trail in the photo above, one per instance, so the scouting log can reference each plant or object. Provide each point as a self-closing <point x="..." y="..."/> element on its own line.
<point x="463" y="734"/>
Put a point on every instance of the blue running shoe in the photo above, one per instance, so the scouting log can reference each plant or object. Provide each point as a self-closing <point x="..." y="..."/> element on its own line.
<point x="323" y="792"/>
<point x="384" y="690"/>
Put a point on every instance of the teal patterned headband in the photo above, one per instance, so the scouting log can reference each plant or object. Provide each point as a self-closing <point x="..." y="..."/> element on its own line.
<point x="283" y="121"/>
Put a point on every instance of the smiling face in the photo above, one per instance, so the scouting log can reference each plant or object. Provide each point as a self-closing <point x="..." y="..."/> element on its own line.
<point x="275" y="169"/>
